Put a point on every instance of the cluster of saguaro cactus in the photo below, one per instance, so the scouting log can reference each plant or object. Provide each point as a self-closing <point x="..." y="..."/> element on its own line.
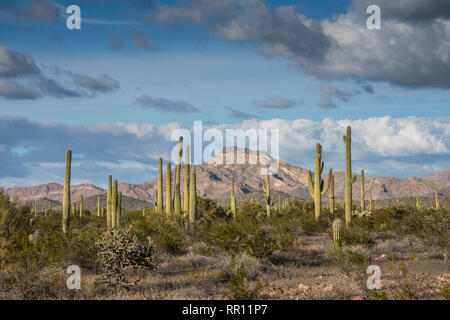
<point x="363" y="200"/>
<point x="349" y="178"/>
<point x="233" y="199"/>
<point x="337" y="232"/>
<point x="113" y="205"/>
<point x="332" y="195"/>
<point x="317" y="190"/>
<point x="66" y="194"/>
<point x="267" y="198"/>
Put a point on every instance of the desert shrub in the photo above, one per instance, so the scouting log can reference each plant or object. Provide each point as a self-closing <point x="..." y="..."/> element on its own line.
<point x="260" y="245"/>
<point x="120" y="251"/>
<point x="356" y="236"/>
<point x="445" y="292"/>
<point x="208" y="211"/>
<point x="226" y="236"/>
<point x="202" y="248"/>
<point x="239" y="287"/>
<point x="167" y="233"/>
<point x="309" y="224"/>
<point x="253" y="210"/>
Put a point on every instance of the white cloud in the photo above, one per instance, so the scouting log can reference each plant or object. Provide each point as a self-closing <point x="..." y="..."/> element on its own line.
<point x="382" y="146"/>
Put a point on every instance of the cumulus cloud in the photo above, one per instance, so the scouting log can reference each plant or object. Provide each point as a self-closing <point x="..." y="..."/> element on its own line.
<point x="163" y="104"/>
<point x="274" y="103"/>
<point x="382" y="146"/>
<point x="412" y="49"/>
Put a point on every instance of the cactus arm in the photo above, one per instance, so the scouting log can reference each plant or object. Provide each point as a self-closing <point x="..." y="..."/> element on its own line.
<point x="330" y="174"/>
<point x="310" y="184"/>
<point x="345" y="139"/>
<point x="353" y="179"/>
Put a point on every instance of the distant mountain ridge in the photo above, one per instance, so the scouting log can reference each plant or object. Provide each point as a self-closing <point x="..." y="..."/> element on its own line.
<point x="214" y="181"/>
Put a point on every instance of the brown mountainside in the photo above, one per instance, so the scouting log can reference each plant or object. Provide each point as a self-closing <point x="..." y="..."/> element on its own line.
<point x="214" y="181"/>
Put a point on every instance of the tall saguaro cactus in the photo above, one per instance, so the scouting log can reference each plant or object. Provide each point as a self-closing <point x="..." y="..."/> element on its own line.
<point x="98" y="206"/>
<point x="233" y="199"/>
<point x="363" y="200"/>
<point x="192" y="198"/>
<point x="267" y="198"/>
<point x="332" y="195"/>
<point x="169" y="190"/>
<point x="349" y="178"/>
<point x="370" y="200"/>
<point x="160" y="188"/>
<point x="109" y="204"/>
<point x="177" y="195"/>
<point x="81" y="206"/>
<point x="186" y="181"/>
<point x="119" y="208"/>
<point x="436" y="200"/>
<point x="114" y="205"/>
<point x="66" y="194"/>
<point x="317" y="190"/>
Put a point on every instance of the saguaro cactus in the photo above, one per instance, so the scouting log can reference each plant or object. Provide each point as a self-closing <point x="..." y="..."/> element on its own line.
<point x="363" y="200"/>
<point x="267" y="198"/>
<point x="186" y="181"/>
<point x="81" y="206"/>
<point x="436" y="200"/>
<point x="418" y="203"/>
<point x="114" y="205"/>
<point x="160" y="188"/>
<point x="119" y="208"/>
<point x="177" y="195"/>
<point x="109" y="204"/>
<point x="233" y="199"/>
<point x="192" y="198"/>
<point x="337" y="230"/>
<point x="66" y="194"/>
<point x="317" y="190"/>
<point x="349" y="178"/>
<point x="168" y="190"/>
<point x="370" y="200"/>
<point x="332" y="195"/>
<point x="98" y="206"/>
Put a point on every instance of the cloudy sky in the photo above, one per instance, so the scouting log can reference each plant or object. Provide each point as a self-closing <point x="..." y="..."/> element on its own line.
<point x="115" y="90"/>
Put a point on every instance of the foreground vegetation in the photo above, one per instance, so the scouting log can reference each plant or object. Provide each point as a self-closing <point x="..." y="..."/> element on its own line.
<point x="289" y="255"/>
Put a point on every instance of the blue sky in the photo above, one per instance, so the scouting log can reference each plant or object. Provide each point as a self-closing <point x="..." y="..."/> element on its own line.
<point x="223" y="62"/>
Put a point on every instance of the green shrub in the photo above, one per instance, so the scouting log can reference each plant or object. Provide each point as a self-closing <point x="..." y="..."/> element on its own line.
<point x="260" y="245"/>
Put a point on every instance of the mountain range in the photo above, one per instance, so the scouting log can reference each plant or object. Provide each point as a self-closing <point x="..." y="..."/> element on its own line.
<point x="214" y="181"/>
